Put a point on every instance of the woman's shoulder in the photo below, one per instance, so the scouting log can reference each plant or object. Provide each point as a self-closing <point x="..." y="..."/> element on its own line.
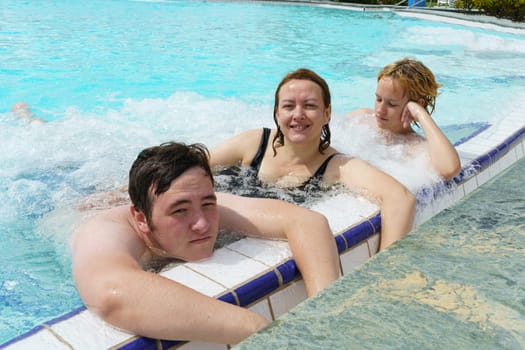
<point x="359" y="112"/>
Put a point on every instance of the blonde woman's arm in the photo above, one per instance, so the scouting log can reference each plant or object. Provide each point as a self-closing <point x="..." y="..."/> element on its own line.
<point x="443" y="154"/>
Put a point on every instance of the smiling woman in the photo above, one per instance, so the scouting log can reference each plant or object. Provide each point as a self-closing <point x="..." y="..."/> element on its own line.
<point x="301" y="155"/>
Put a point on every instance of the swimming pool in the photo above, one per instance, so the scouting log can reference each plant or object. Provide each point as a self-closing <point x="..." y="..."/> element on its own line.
<point x="111" y="82"/>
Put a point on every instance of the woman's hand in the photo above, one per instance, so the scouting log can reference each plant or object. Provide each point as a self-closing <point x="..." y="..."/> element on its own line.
<point x="413" y="112"/>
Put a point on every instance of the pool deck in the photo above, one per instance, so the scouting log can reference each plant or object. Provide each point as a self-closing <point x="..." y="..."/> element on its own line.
<point x="261" y="274"/>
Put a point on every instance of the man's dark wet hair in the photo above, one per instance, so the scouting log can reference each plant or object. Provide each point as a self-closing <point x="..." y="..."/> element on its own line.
<point x="156" y="167"/>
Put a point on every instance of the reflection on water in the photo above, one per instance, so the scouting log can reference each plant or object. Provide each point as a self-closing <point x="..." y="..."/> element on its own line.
<point x="456" y="282"/>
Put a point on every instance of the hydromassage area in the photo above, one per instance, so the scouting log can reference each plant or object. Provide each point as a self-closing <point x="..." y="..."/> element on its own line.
<point x="452" y="285"/>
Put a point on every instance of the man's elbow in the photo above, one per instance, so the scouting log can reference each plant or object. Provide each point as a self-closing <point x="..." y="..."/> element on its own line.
<point x="107" y="302"/>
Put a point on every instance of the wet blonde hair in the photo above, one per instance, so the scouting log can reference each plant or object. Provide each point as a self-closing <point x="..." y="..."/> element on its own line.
<point x="416" y="79"/>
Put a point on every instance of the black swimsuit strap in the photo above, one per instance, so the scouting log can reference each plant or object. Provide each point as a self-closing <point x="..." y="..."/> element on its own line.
<point x="322" y="168"/>
<point x="257" y="160"/>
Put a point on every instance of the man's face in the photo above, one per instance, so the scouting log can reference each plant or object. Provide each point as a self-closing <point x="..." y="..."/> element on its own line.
<point x="185" y="220"/>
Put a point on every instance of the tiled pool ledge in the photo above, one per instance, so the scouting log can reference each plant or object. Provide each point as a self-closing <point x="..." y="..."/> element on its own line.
<point x="261" y="275"/>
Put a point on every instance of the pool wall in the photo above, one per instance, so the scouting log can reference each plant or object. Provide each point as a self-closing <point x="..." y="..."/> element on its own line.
<point x="261" y="275"/>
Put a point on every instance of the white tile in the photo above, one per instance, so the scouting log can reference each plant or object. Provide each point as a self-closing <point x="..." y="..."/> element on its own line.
<point x="470" y="185"/>
<point x="265" y="251"/>
<point x="520" y="150"/>
<point x="465" y="157"/>
<point x="373" y="244"/>
<point x="502" y="132"/>
<point x="262" y="307"/>
<point x="354" y="257"/>
<point x="87" y="331"/>
<point x="199" y="345"/>
<point x="423" y="214"/>
<point x="345" y="209"/>
<point x="44" y="339"/>
<point x="494" y="169"/>
<point x="472" y="148"/>
<point x="194" y="280"/>
<point x="287" y="298"/>
<point x="483" y="176"/>
<point x="508" y="159"/>
<point x="443" y="202"/>
<point x="228" y="268"/>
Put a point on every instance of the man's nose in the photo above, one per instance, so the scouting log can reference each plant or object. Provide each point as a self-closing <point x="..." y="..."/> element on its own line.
<point x="200" y="223"/>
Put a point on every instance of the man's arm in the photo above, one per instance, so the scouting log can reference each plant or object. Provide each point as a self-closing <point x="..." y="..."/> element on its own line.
<point x="308" y="233"/>
<point x="106" y="254"/>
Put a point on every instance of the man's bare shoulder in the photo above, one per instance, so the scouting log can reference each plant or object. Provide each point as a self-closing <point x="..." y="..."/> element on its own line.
<point x="112" y="229"/>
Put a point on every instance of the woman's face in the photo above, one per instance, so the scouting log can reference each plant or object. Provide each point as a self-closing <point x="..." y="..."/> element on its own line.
<point x="389" y="105"/>
<point x="301" y="113"/>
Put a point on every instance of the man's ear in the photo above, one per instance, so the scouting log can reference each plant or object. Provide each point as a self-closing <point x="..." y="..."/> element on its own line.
<point x="140" y="219"/>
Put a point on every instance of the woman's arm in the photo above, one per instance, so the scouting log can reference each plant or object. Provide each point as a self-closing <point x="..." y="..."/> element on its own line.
<point x="397" y="203"/>
<point x="308" y="233"/>
<point x="238" y="150"/>
<point x="443" y="154"/>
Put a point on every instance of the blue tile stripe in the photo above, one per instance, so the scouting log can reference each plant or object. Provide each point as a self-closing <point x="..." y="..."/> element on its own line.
<point x="258" y="288"/>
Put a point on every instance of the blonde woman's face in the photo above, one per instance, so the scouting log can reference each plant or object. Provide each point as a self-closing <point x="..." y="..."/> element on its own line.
<point x="389" y="104"/>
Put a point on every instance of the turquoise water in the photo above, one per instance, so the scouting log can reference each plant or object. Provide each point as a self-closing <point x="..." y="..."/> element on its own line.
<point x="456" y="282"/>
<point x="112" y="77"/>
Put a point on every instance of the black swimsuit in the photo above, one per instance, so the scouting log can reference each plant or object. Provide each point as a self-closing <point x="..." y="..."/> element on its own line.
<point x="244" y="181"/>
<point x="257" y="160"/>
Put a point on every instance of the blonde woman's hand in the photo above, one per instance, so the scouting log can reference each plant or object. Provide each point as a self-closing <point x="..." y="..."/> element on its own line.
<point x="413" y="112"/>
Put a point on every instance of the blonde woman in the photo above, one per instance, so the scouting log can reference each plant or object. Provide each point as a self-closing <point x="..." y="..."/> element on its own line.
<point x="405" y="96"/>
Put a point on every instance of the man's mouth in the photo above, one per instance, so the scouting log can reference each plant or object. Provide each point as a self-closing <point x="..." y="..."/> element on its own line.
<point x="200" y="240"/>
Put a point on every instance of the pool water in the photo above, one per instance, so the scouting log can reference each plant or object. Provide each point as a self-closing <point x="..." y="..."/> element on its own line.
<point x="110" y="78"/>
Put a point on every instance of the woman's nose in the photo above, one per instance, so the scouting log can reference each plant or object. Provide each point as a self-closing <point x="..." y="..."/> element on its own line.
<point x="298" y="112"/>
<point x="380" y="107"/>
